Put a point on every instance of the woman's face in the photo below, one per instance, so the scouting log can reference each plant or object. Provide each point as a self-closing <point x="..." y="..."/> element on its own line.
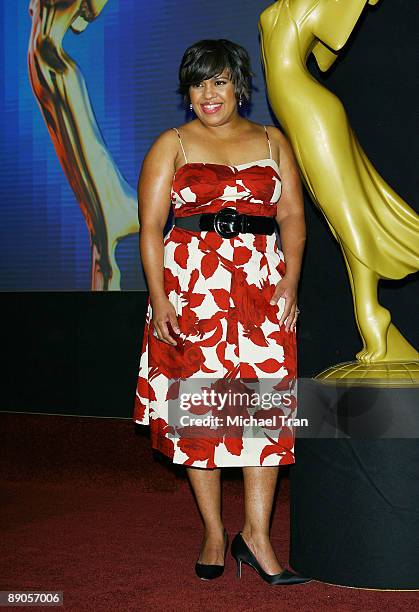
<point x="214" y="100"/>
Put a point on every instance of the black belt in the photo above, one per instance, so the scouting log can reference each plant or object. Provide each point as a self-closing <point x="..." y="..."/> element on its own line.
<point x="227" y="222"/>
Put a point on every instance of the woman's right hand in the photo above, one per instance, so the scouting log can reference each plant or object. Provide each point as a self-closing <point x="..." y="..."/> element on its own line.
<point x="164" y="313"/>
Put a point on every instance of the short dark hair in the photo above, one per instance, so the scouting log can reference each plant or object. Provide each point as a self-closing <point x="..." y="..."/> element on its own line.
<point x="208" y="58"/>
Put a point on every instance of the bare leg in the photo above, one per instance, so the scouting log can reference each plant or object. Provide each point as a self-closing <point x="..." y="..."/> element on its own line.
<point x="207" y="489"/>
<point x="259" y="489"/>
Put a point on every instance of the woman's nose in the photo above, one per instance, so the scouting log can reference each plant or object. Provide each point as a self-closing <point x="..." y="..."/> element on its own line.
<point x="209" y="90"/>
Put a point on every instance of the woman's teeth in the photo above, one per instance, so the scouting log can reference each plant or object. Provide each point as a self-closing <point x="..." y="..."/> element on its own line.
<point x="211" y="108"/>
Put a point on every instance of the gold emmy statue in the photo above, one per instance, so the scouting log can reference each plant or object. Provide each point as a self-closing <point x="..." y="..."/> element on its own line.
<point x="376" y="230"/>
<point x="107" y="201"/>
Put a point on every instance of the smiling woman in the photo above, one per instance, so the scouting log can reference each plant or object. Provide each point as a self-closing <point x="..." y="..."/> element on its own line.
<point x="209" y="60"/>
<point x="222" y="308"/>
<point x="213" y="95"/>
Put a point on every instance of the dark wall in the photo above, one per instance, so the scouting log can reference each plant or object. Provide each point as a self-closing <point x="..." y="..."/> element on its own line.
<point x="78" y="353"/>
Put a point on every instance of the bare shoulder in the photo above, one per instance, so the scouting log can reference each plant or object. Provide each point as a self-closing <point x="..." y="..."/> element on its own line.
<point x="163" y="150"/>
<point x="193" y="127"/>
<point x="167" y="142"/>
<point x="278" y="137"/>
<point x="284" y="149"/>
<point x="166" y="139"/>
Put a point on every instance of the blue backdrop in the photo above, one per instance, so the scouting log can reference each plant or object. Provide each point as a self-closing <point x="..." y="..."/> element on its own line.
<point x="129" y="58"/>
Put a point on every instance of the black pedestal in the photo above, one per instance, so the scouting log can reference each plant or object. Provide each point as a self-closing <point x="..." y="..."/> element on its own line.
<point x="355" y="502"/>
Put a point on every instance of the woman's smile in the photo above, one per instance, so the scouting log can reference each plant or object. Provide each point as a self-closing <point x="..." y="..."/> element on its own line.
<point x="210" y="108"/>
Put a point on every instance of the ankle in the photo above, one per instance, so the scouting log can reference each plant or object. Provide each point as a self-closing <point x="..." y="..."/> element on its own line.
<point x="214" y="531"/>
<point x="253" y="536"/>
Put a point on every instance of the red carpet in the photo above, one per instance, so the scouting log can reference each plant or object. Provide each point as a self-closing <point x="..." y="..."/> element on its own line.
<point x="88" y="509"/>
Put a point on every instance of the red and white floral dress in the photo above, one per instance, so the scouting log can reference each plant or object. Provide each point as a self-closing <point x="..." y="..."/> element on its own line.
<point x="230" y="333"/>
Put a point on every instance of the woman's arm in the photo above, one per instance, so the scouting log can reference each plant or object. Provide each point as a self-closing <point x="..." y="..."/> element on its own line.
<point x="291" y="221"/>
<point x="154" y="188"/>
<point x="333" y="22"/>
<point x="325" y="57"/>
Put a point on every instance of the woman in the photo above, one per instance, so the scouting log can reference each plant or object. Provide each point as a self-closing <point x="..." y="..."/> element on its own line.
<point x="222" y="296"/>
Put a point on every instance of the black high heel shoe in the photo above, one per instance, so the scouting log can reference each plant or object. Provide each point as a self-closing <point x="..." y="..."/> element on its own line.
<point x="242" y="554"/>
<point x="209" y="572"/>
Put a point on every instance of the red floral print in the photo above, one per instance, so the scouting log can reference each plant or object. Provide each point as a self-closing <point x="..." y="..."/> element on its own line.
<point x="220" y="289"/>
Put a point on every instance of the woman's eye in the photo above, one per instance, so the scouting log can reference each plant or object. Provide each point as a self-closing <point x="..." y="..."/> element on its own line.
<point x="221" y="82"/>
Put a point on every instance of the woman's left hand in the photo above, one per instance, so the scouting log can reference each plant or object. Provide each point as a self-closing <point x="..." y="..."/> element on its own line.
<point x="287" y="289"/>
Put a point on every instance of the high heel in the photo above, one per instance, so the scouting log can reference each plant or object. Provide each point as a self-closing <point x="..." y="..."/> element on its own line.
<point x="242" y="554"/>
<point x="209" y="572"/>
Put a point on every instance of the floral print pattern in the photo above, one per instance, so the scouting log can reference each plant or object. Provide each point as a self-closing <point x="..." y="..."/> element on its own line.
<point x="220" y="289"/>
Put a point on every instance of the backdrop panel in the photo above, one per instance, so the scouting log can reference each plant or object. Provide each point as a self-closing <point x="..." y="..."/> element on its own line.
<point x="129" y="59"/>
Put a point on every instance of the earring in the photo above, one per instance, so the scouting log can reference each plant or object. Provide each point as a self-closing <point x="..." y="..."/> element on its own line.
<point x="240" y="101"/>
<point x="191" y="106"/>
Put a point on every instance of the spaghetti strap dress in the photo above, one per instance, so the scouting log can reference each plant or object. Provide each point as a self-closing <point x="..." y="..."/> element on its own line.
<point x="231" y="338"/>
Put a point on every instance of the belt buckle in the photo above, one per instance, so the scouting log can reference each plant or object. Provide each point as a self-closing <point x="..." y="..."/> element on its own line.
<point x="225" y="222"/>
